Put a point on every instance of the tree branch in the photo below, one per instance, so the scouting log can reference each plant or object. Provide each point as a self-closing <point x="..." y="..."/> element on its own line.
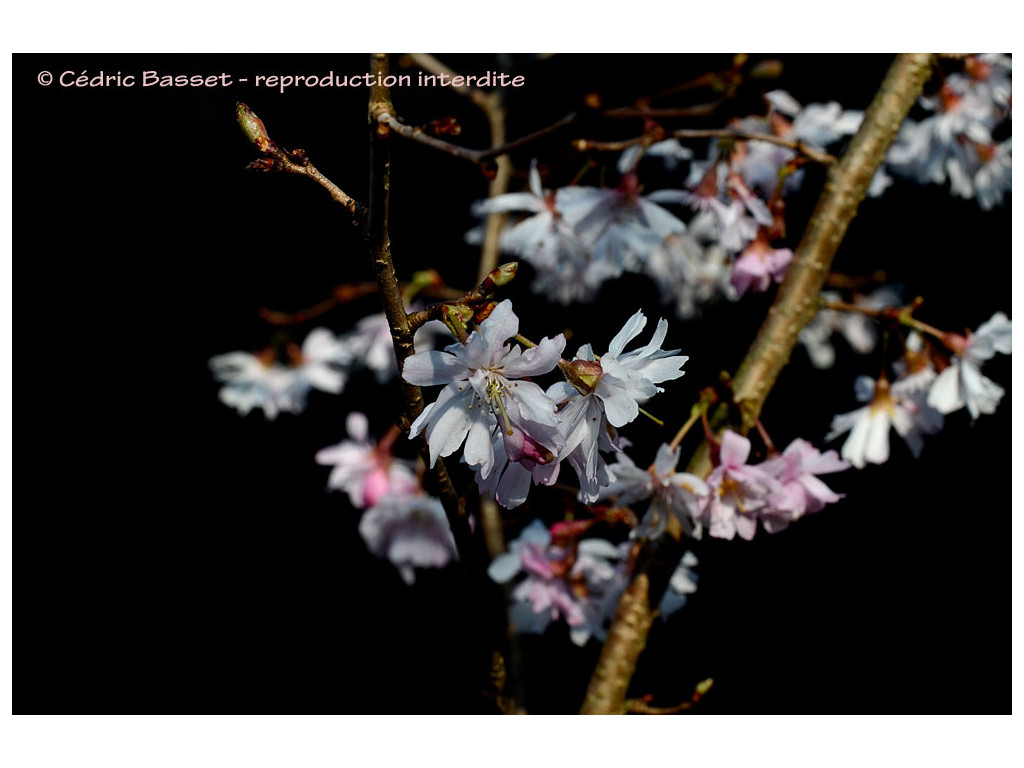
<point x="478" y="156"/>
<point x="794" y="306"/>
<point x="379" y="244"/>
<point x="724" y="133"/>
<point x="290" y="161"/>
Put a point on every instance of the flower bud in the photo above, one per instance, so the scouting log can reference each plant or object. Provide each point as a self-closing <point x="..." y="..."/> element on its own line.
<point x="252" y="127"/>
<point x="500" y="276"/>
<point x="585" y="372"/>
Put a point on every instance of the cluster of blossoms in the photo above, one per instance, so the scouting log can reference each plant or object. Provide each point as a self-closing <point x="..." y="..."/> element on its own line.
<point x="324" y="362"/>
<point x="515" y="432"/>
<point x="957" y="140"/>
<point x="735" y="496"/>
<point x="578" y="237"/>
<point x="930" y="385"/>
<point x="401" y="523"/>
<point x="579" y="580"/>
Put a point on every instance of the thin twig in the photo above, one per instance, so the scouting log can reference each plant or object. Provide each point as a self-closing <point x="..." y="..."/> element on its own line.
<point x="341" y="294"/>
<point x="799" y="147"/>
<point x="290" y="161"/>
<point x="482" y="293"/>
<point x="478" y="156"/>
<point x="795" y="305"/>
<point x="900" y="315"/>
<point x="699" y="110"/>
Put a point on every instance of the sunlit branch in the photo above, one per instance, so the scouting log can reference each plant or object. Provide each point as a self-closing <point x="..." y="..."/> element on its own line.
<point x="799" y="147"/>
<point x="795" y="305"/>
<point x="900" y="315"/>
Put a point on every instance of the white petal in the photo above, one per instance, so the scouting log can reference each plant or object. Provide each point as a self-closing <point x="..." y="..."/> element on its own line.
<point x="357" y="426"/>
<point x="504" y="567"/>
<point x="426" y="369"/>
<point x="876" y="448"/>
<point x="629" y="331"/>
<point x="944" y="396"/>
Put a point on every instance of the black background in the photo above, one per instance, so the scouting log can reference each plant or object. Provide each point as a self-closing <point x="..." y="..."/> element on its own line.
<point x="174" y="557"/>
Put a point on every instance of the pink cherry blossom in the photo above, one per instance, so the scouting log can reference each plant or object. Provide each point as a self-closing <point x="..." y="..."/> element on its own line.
<point x="366" y="472"/>
<point x="739" y="492"/>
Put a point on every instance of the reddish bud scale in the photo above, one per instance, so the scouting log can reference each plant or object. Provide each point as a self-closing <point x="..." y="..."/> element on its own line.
<point x="483" y="311"/>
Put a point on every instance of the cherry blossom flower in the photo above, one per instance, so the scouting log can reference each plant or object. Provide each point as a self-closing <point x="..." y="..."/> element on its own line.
<point x="366" y="472"/>
<point x="672" y="493"/>
<point x="620" y="226"/>
<point x="617" y="382"/>
<point x="409" y="531"/>
<point x="252" y="381"/>
<point x="689" y="273"/>
<point x="797" y="469"/>
<point x="678" y="493"/>
<point x="586" y="434"/>
<point x="817" y="125"/>
<point x="981" y="168"/>
<point x="629" y="378"/>
<point x="737" y="212"/>
<point x="962" y="383"/>
<point x="566" y="270"/>
<point x="759" y="265"/>
<point x="481" y="381"/>
<point x="956" y="141"/>
<point x="581" y="584"/>
<point x="902" y="408"/>
<point x="739" y="492"/>
<point x="544" y="595"/>
<point x="508" y="482"/>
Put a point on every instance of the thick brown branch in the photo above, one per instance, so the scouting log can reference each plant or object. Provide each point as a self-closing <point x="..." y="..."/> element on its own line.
<point x="794" y="306"/>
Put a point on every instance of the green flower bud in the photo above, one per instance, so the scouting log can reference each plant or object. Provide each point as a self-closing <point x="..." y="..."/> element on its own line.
<point x="252" y="127"/>
<point x="586" y="373"/>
